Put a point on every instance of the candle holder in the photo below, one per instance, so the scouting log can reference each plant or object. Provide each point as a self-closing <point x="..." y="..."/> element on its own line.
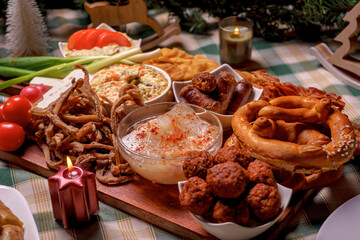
<point x="236" y="37"/>
<point x="73" y="195"/>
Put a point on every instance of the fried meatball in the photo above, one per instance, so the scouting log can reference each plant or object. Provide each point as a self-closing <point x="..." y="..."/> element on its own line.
<point x="227" y="180"/>
<point x="237" y="212"/>
<point x="231" y="153"/>
<point x="264" y="201"/>
<point x="196" y="196"/>
<point x="197" y="163"/>
<point x="205" y="82"/>
<point x="260" y="172"/>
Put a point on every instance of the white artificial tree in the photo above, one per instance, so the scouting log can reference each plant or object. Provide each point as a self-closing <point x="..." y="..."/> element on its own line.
<point x="26" y="33"/>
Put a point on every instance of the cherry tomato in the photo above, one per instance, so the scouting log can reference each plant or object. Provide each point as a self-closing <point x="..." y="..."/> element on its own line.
<point x="43" y="88"/>
<point x="73" y="39"/>
<point x="2" y="119"/>
<point x="91" y="38"/>
<point x="108" y="38"/>
<point x="31" y="93"/>
<point x="12" y="136"/>
<point x="16" y="110"/>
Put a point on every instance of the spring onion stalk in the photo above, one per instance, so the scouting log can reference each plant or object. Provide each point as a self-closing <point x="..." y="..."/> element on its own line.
<point x="145" y="56"/>
<point x="45" y="71"/>
<point x="14" y="72"/>
<point x="95" y="66"/>
<point x="36" y="63"/>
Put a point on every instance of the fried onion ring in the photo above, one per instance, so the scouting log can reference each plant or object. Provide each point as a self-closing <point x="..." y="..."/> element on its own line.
<point x="256" y="124"/>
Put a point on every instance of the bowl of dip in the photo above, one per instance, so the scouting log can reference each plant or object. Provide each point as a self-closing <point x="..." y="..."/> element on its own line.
<point x="153" y="82"/>
<point x="155" y="138"/>
<point x="96" y="51"/>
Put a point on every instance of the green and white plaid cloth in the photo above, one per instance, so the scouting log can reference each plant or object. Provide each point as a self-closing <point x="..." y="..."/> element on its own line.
<point x="290" y="61"/>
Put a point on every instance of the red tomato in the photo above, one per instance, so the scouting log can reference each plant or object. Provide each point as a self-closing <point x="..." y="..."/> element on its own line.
<point x="31" y="93"/>
<point x="16" y="110"/>
<point x="12" y="136"/>
<point x="91" y="38"/>
<point x="73" y="39"/>
<point x="108" y="38"/>
<point x="2" y="119"/>
<point x="43" y="88"/>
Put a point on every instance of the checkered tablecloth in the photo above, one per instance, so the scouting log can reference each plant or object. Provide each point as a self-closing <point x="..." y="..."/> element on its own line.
<point x="290" y="61"/>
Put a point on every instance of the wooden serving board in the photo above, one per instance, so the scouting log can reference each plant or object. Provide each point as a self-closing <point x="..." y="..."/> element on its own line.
<point x="154" y="203"/>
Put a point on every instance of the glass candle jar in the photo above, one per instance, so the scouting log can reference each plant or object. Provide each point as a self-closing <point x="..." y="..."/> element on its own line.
<point x="236" y="36"/>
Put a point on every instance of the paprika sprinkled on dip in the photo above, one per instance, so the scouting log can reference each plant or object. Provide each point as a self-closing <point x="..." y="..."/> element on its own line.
<point x="158" y="138"/>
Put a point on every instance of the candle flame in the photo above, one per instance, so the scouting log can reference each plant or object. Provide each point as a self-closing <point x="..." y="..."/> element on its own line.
<point x="69" y="163"/>
<point x="236" y="31"/>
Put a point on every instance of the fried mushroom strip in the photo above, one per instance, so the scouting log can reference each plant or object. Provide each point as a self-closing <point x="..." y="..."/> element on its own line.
<point x="77" y="125"/>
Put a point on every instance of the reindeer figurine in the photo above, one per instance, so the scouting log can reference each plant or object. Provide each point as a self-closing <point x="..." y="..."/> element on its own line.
<point x="131" y="11"/>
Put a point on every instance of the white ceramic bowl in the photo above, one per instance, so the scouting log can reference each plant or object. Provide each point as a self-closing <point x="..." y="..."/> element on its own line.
<point x="224" y="119"/>
<point x="157" y="169"/>
<point x="233" y="231"/>
<point x="63" y="45"/>
<point x="58" y="86"/>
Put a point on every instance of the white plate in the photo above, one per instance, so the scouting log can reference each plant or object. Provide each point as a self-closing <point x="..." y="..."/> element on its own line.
<point x="16" y="202"/>
<point x="63" y="45"/>
<point x="232" y="231"/>
<point x="224" y="119"/>
<point x="343" y="223"/>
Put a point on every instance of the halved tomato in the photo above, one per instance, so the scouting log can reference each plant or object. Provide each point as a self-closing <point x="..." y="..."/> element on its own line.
<point x="107" y="38"/>
<point x="81" y="38"/>
<point x="73" y="39"/>
<point x="90" y="39"/>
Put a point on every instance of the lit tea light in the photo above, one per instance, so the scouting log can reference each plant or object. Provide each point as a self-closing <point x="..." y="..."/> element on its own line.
<point x="73" y="194"/>
<point x="235" y="41"/>
<point x="72" y="173"/>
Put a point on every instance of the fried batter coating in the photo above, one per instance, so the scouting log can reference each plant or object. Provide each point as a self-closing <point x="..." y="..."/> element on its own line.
<point x="260" y="172"/>
<point x="227" y="180"/>
<point x="231" y="153"/>
<point x="264" y="201"/>
<point x="231" y="211"/>
<point x="197" y="163"/>
<point x="205" y="82"/>
<point x="196" y="196"/>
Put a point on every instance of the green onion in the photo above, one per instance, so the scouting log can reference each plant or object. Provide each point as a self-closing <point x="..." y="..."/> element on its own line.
<point x="36" y="63"/>
<point x="95" y="66"/>
<point x="14" y="72"/>
<point x="46" y="71"/>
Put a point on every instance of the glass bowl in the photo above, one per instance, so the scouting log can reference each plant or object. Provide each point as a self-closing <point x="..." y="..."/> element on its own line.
<point x="162" y="169"/>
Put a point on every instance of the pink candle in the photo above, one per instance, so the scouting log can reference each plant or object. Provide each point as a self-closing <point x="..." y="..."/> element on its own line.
<point x="73" y="194"/>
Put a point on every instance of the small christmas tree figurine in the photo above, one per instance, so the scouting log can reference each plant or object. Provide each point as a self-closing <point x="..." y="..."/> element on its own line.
<point x="348" y="38"/>
<point x="26" y="33"/>
<point x="341" y="63"/>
